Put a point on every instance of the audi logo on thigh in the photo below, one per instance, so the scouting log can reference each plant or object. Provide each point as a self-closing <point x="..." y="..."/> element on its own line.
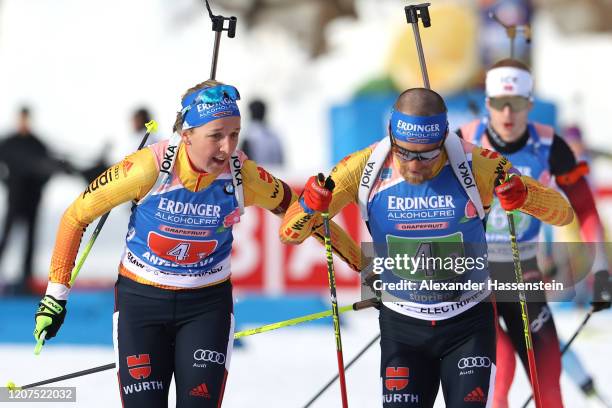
<point x="474" y="362"/>
<point x="210" y="356"/>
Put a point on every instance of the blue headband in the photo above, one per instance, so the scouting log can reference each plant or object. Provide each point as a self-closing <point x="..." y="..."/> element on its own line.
<point x="418" y="129"/>
<point x="205" y="105"/>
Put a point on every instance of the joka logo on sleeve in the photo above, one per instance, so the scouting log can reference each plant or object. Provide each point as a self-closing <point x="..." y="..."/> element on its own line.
<point x="139" y="366"/>
<point x="367" y="174"/>
<point x="237" y="165"/>
<point x="166" y="164"/>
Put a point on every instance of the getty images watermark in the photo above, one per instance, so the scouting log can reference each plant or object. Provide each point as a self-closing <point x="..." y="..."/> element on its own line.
<point x="448" y="269"/>
<point x="404" y="267"/>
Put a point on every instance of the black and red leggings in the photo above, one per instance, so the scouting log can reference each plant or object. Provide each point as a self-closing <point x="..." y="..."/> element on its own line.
<point x="159" y="333"/>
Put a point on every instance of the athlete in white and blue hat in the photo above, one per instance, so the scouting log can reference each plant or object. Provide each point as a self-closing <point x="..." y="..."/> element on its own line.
<point x="537" y="151"/>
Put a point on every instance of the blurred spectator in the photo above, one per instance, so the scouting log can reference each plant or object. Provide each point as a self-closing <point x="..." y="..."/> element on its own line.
<point x="140" y="117"/>
<point x="28" y="167"/>
<point x="128" y="145"/>
<point x="114" y="152"/>
<point x="260" y="143"/>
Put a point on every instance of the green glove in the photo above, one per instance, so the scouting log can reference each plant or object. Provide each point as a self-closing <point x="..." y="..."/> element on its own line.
<point x="49" y="317"/>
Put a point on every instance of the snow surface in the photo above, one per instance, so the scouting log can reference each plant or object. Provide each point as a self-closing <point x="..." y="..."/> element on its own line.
<point x="285" y="368"/>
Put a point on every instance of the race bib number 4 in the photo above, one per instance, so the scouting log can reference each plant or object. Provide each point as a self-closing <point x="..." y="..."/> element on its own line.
<point x="180" y="251"/>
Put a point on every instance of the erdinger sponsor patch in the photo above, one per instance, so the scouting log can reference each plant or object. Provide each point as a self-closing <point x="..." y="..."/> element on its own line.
<point x="420" y="203"/>
<point x="418" y="129"/>
<point x="188" y="213"/>
<point x="420" y="208"/>
<point x="179" y="207"/>
<point x="207" y="112"/>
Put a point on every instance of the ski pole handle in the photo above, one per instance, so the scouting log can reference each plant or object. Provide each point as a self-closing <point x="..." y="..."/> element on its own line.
<point x="40" y="342"/>
<point x="364" y="304"/>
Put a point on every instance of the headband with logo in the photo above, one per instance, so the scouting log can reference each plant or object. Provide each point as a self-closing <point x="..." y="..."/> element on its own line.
<point x="418" y="129"/>
<point x="208" y="104"/>
<point x="509" y="81"/>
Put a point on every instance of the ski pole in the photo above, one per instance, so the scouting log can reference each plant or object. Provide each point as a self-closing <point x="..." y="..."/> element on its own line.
<point x="11" y="385"/>
<point x="518" y="275"/>
<point x="331" y="276"/>
<point x="567" y="345"/>
<point x="218" y="26"/>
<point x="413" y="13"/>
<point x="330" y="382"/>
<point x="364" y="304"/>
<point x="578" y="330"/>
<point x="151" y="127"/>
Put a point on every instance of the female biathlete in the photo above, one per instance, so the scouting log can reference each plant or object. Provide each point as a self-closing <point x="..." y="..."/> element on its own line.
<point x="173" y="297"/>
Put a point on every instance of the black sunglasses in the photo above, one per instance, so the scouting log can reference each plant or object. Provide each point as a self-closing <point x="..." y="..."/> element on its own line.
<point x="409" y="155"/>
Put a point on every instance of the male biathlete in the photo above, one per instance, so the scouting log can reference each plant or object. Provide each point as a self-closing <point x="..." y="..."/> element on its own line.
<point x="173" y="298"/>
<point x="535" y="150"/>
<point x="424" y="188"/>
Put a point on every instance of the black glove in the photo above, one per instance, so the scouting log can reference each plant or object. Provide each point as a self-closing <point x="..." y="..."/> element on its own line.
<point x="602" y="291"/>
<point x="49" y="316"/>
